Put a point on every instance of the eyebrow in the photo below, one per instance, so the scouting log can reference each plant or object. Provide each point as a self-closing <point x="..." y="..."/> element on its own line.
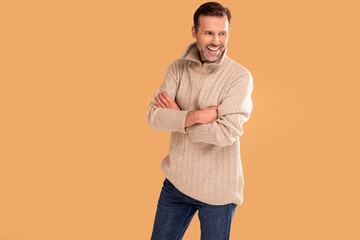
<point x="213" y="32"/>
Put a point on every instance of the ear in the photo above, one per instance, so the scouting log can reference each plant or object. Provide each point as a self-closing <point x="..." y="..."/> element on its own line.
<point x="193" y="32"/>
<point x="229" y="30"/>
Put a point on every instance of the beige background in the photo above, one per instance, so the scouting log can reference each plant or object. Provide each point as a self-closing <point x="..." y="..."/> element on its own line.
<point x="78" y="159"/>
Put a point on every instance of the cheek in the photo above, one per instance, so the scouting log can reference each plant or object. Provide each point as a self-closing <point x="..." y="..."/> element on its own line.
<point x="203" y="41"/>
<point x="224" y="41"/>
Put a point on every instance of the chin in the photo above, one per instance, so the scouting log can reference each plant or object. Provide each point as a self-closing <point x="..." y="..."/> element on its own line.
<point x="214" y="59"/>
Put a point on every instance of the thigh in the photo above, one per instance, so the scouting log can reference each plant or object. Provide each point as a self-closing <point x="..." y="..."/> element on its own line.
<point x="173" y="215"/>
<point x="215" y="221"/>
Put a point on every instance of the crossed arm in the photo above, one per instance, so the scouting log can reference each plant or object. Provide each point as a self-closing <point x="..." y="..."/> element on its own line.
<point x="219" y="125"/>
<point x="207" y="115"/>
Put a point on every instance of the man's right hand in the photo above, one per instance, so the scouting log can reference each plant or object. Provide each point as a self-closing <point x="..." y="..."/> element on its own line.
<point x="206" y="115"/>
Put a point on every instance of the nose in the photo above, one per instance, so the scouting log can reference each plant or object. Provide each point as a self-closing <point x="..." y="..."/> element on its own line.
<point x="215" y="40"/>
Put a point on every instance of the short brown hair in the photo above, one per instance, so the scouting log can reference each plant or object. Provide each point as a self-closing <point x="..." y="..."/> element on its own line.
<point x="211" y="9"/>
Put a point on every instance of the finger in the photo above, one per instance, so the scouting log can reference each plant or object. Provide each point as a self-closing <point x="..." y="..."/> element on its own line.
<point x="166" y="97"/>
<point x="163" y="99"/>
<point x="159" y="102"/>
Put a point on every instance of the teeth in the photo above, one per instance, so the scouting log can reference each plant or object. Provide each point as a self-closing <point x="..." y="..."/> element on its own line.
<point x="213" y="49"/>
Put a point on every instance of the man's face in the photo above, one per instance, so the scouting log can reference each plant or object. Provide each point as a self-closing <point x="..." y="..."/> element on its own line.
<point x="212" y="36"/>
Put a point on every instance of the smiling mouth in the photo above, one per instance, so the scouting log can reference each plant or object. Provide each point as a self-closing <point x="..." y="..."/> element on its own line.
<point x="213" y="49"/>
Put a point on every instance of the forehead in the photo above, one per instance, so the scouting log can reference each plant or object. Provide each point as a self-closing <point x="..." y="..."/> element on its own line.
<point x="213" y="23"/>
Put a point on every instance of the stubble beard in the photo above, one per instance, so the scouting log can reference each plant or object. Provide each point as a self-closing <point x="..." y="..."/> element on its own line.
<point x="203" y="54"/>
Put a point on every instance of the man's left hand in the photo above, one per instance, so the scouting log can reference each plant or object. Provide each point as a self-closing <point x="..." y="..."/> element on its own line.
<point x="164" y="101"/>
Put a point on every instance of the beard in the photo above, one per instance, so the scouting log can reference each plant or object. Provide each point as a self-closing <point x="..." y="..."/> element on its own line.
<point x="210" y="56"/>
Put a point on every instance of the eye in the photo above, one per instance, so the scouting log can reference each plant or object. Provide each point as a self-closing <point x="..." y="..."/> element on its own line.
<point x="207" y="33"/>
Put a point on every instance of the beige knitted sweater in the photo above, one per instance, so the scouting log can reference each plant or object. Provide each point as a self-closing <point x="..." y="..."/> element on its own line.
<point x="204" y="159"/>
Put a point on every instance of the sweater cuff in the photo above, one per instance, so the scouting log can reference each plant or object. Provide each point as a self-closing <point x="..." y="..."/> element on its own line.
<point x="180" y="120"/>
<point x="171" y="120"/>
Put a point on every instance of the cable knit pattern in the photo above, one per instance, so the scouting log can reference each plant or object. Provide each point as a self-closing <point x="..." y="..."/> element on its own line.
<point x="204" y="159"/>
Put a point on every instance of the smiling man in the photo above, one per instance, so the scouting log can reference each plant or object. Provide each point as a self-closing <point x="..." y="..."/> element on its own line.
<point x="212" y="34"/>
<point x="204" y="101"/>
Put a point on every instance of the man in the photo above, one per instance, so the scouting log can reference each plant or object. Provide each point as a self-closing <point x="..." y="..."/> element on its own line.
<point x="204" y="100"/>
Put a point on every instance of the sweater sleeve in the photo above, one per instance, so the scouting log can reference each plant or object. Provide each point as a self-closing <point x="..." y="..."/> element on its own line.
<point x="165" y="119"/>
<point x="233" y="112"/>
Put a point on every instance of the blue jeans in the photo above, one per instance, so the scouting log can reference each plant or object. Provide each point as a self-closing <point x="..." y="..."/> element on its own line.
<point x="175" y="211"/>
